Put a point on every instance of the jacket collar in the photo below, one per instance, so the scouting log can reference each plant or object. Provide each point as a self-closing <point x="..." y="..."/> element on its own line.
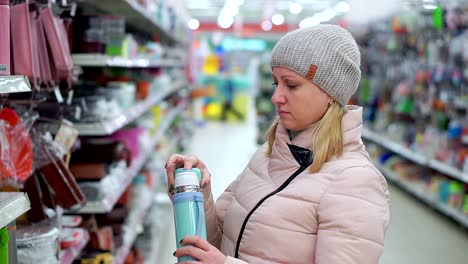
<point x="282" y="157"/>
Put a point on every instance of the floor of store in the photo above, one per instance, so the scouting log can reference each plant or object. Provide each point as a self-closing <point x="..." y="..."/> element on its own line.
<point x="417" y="235"/>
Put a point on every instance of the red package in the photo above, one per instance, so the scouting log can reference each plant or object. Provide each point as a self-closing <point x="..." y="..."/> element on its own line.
<point x="15" y="148"/>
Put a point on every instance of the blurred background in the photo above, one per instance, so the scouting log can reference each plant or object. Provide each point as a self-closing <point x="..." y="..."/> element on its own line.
<point x="95" y="95"/>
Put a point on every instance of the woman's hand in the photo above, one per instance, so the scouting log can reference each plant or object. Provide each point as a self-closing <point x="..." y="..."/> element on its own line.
<point x="201" y="250"/>
<point x="187" y="162"/>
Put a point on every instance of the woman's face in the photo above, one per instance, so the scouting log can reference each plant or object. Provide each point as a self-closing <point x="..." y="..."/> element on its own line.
<point x="299" y="102"/>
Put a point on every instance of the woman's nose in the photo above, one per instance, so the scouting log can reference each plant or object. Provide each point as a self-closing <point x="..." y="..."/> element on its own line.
<point x="278" y="97"/>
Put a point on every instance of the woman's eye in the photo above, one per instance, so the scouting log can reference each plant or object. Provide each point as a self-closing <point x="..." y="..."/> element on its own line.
<point x="275" y="84"/>
<point x="292" y="86"/>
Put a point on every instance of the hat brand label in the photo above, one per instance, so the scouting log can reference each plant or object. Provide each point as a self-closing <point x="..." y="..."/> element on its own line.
<point x="312" y="71"/>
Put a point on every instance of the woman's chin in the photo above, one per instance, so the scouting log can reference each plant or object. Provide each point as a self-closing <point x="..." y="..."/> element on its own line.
<point x="288" y="124"/>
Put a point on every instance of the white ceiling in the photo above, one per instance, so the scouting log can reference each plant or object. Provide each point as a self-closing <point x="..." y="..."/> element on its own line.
<point x="361" y="11"/>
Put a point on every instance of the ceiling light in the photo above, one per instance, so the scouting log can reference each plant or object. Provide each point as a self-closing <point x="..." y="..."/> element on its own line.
<point x="193" y="24"/>
<point x="295" y="8"/>
<point x="430" y="6"/>
<point x="318" y="18"/>
<point x="266" y="25"/>
<point x="278" y="19"/>
<point x="342" y="7"/>
<point x="225" y="21"/>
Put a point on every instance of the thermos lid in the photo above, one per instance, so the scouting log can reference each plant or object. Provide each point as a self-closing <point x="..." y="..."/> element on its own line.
<point x="187" y="177"/>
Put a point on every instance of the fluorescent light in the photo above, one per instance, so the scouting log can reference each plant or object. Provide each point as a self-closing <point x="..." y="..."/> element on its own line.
<point x="278" y="19"/>
<point x="266" y="25"/>
<point x="318" y="18"/>
<point x="193" y="24"/>
<point x="342" y="7"/>
<point x="225" y="21"/>
<point x="430" y="6"/>
<point x="295" y="8"/>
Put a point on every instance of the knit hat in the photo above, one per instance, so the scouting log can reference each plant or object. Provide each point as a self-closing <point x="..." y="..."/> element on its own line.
<point x="325" y="54"/>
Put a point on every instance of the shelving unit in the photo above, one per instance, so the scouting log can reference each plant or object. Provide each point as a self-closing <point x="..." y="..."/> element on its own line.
<point x="12" y="205"/>
<point x="122" y="252"/>
<point x="110" y="126"/>
<point x="450" y="212"/>
<point x="101" y="60"/>
<point x="70" y="254"/>
<point x="414" y="156"/>
<point x="107" y="204"/>
<point x="14" y="84"/>
<point x="136" y="16"/>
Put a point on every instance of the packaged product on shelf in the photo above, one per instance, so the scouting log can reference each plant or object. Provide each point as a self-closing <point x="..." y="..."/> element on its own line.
<point x="15" y="149"/>
<point x="37" y="244"/>
<point x="5" y="65"/>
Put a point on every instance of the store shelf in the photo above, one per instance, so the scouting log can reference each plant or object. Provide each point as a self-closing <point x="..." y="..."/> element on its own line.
<point x="12" y="205"/>
<point x="133" y="229"/>
<point x="106" y="205"/>
<point x="101" y="60"/>
<point x="109" y="127"/>
<point x="70" y="254"/>
<point x="159" y="238"/>
<point x="135" y="15"/>
<point x="448" y="211"/>
<point x="414" y="156"/>
<point x="14" y="84"/>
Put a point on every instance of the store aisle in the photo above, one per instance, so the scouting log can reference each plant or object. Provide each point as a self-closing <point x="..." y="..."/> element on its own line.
<point x="418" y="234"/>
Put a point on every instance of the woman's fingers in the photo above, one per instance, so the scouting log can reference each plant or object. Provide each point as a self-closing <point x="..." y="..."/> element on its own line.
<point x="196" y="241"/>
<point x="191" y="251"/>
<point x="187" y="162"/>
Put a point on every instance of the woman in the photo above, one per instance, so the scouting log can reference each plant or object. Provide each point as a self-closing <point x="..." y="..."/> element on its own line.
<point x="311" y="193"/>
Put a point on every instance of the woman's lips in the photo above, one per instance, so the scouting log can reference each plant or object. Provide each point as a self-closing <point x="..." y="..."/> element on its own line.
<point x="282" y="112"/>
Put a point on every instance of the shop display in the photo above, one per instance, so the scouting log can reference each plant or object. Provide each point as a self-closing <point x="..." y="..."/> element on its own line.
<point x="414" y="92"/>
<point x="106" y="93"/>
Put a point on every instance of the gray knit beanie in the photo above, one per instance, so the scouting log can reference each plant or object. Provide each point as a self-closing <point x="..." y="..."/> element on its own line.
<point x="325" y="54"/>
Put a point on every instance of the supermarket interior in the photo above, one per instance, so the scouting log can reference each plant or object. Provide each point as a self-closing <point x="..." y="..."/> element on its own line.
<point x="95" y="96"/>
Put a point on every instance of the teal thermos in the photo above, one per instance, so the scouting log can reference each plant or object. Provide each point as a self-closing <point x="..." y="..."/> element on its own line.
<point x="189" y="212"/>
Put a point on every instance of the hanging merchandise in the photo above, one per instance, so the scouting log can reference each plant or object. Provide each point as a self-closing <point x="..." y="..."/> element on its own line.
<point x="5" y="65"/>
<point x="15" y="149"/>
<point x="56" y="35"/>
<point x="24" y="57"/>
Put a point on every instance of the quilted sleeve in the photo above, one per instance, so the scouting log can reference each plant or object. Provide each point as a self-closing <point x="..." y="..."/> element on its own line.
<point x="214" y="213"/>
<point x="231" y="260"/>
<point x="354" y="214"/>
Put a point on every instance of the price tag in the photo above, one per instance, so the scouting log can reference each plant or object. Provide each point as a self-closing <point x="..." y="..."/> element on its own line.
<point x="58" y="94"/>
<point x="66" y="135"/>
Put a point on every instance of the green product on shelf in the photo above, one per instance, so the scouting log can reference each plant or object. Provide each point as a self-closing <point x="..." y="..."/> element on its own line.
<point x="465" y="204"/>
<point x="438" y="18"/>
<point x="365" y="91"/>
<point x="405" y="106"/>
<point x="4" y="238"/>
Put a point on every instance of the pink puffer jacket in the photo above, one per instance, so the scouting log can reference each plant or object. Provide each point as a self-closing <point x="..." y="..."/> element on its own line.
<point x="339" y="215"/>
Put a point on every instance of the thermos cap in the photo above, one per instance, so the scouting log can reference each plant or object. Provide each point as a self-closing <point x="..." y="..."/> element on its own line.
<point x="187" y="177"/>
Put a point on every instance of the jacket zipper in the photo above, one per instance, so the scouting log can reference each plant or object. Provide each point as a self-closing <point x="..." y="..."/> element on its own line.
<point x="286" y="183"/>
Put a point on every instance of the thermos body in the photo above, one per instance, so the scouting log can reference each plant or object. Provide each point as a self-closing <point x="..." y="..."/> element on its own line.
<point x="189" y="213"/>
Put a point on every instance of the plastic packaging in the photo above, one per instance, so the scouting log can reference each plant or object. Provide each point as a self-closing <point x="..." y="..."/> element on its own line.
<point x="37" y="244"/>
<point x="5" y="63"/>
<point x="15" y="149"/>
<point x="189" y="213"/>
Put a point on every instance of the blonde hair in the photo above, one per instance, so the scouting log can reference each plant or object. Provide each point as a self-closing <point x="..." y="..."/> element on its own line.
<point x="327" y="140"/>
